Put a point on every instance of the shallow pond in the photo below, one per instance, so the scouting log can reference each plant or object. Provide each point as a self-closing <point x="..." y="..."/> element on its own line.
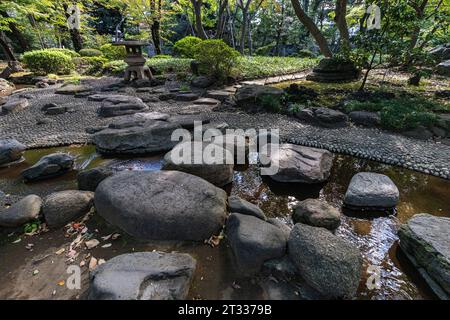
<point x="216" y="278"/>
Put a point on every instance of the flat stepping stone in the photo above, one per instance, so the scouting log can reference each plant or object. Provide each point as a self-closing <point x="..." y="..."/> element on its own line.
<point x="219" y="174"/>
<point x="72" y="89"/>
<point x="98" y="97"/>
<point x="221" y="95"/>
<point x="148" y="137"/>
<point x="137" y="119"/>
<point x="369" y="190"/>
<point x="120" y="105"/>
<point x="14" y="105"/>
<point x="206" y="101"/>
<point x="143" y="276"/>
<point x="53" y="109"/>
<point x="188" y="121"/>
<point x="298" y="164"/>
<point x="186" y="97"/>
<point x="167" y="96"/>
<point x="425" y="239"/>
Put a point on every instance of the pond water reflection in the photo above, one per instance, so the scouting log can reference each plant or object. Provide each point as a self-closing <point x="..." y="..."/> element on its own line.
<point x="374" y="235"/>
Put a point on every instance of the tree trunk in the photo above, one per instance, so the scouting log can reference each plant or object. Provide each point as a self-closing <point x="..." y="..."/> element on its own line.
<point x="7" y="50"/>
<point x="197" y="5"/>
<point x="222" y="19"/>
<point x="75" y="35"/>
<point x="341" y="23"/>
<point x="243" y="31"/>
<point x="16" y="34"/>
<point x="312" y="28"/>
<point x="156" y="25"/>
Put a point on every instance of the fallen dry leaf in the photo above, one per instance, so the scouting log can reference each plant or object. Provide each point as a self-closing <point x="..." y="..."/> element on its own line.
<point x="92" y="243"/>
<point x="92" y="264"/>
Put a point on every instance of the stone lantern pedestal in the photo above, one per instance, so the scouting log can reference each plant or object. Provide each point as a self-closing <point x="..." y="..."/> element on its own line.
<point x="136" y="70"/>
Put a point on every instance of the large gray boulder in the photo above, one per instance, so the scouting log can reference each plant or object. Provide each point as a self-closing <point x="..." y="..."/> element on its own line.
<point x="441" y="52"/>
<point x="21" y="212"/>
<point x="143" y="276"/>
<point x="63" y="207"/>
<point x="249" y="97"/>
<point x="254" y="241"/>
<point x="162" y="205"/>
<point x="143" y="138"/>
<point x="328" y="263"/>
<point x="88" y="180"/>
<point x="11" y="150"/>
<point x="239" y="205"/>
<point x="72" y="89"/>
<point x="369" y="190"/>
<point x="137" y="119"/>
<point x="14" y="105"/>
<point x="216" y="163"/>
<point x="365" y="118"/>
<point x="119" y="105"/>
<point x="299" y="164"/>
<point x="426" y="241"/>
<point x="50" y="166"/>
<point x="442" y="68"/>
<point x="324" y="117"/>
<point x="317" y="213"/>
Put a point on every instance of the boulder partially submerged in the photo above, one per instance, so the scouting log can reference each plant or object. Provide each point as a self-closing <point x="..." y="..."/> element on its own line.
<point x="162" y="205"/>
<point x="426" y="241"/>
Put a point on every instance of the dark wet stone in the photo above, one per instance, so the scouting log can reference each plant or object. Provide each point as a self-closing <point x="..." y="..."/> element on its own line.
<point x="254" y="241"/>
<point x="63" y="207"/>
<point x="239" y="205"/>
<point x="143" y="276"/>
<point x="317" y="213"/>
<point x="10" y="150"/>
<point x="52" y="165"/>
<point x="369" y="190"/>
<point x="21" y="212"/>
<point x="425" y="239"/>
<point x="328" y="263"/>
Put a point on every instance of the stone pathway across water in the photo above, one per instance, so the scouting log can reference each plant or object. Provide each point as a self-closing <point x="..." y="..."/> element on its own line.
<point x="69" y="128"/>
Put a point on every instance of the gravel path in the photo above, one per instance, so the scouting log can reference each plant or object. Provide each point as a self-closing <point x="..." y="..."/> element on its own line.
<point x="425" y="156"/>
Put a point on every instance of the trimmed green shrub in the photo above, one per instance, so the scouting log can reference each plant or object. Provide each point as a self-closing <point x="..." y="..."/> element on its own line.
<point x="185" y="48"/>
<point x="115" y="66"/>
<point x="162" y="56"/>
<point x="169" y="65"/>
<point x="92" y="66"/>
<point x="67" y="52"/>
<point x="216" y="58"/>
<point x="90" y="53"/>
<point x="113" y="52"/>
<point x="48" y="61"/>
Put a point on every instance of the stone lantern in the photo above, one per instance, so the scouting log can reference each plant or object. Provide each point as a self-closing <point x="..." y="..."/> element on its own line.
<point x="136" y="70"/>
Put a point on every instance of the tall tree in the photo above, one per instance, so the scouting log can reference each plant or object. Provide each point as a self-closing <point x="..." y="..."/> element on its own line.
<point x="312" y="28"/>
<point x="197" y="8"/>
